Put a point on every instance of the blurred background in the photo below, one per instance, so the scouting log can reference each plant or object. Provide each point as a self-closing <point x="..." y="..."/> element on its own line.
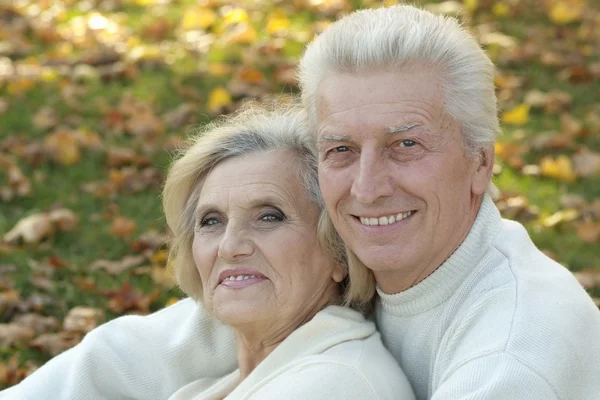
<point x="96" y="94"/>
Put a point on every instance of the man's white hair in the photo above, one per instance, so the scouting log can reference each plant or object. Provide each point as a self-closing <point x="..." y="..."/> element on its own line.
<point x="408" y="37"/>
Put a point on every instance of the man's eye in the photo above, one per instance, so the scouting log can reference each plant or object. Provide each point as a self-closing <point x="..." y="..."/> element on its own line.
<point x="340" y="149"/>
<point x="407" y="143"/>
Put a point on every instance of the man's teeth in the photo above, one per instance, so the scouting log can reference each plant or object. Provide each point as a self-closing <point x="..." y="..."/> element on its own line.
<point x="239" y="277"/>
<point x="385" y="220"/>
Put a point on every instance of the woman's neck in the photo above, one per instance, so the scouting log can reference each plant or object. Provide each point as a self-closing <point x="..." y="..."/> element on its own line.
<point x="257" y="340"/>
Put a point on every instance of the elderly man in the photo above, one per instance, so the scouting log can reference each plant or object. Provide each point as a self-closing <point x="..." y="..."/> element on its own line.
<point x="402" y="102"/>
<point x="403" y="105"/>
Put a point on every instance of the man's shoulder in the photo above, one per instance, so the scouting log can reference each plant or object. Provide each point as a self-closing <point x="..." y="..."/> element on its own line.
<point x="520" y="302"/>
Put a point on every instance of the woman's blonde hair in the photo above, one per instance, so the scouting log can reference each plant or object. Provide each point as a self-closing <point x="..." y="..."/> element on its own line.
<point x="277" y="124"/>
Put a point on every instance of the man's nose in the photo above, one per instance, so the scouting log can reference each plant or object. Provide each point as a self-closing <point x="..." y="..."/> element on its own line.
<point x="235" y="244"/>
<point x="372" y="179"/>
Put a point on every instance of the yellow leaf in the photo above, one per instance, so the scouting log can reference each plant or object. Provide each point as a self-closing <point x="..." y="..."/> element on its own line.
<point x="517" y="116"/>
<point x="220" y="69"/>
<point x="19" y="86"/>
<point x="217" y="99"/>
<point x="471" y="5"/>
<point x="235" y="16"/>
<point x="563" y="13"/>
<point x="559" y="217"/>
<point x="277" y="21"/>
<point x="198" y="18"/>
<point x="560" y="168"/>
<point x="500" y="9"/>
<point x="171" y="301"/>
<point x="242" y="33"/>
<point x="160" y="257"/>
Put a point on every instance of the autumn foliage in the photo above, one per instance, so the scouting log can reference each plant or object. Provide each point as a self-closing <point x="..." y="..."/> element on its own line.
<point x="96" y="95"/>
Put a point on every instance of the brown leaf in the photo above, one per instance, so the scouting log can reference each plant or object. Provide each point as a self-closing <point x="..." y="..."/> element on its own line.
<point x="117" y="267"/>
<point x="56" y="343"/>
<point x="150" y="240"/>
<point x="588" y="278"/>
<point x="31" y="229"/>
<point x="83" y="319"/>
<point x="575" y="201"/>
<point x="588" y="231"/>
<point x="38" y="323"/>
<point x="13" y="334"/>
<point x="144" y="123"/>
<point x="128" y="298"/>
<point x="45" y="118"/>
<point x="552" y="141"/>
<point x="122" y="226"/>
<point x="121" y="156"/>
<point x="65" y="219"/>
<point x="586" y="163"/>
<point x="180" y="116"/>
<point x="63" y="147"/>
<point x="570" y="125"/>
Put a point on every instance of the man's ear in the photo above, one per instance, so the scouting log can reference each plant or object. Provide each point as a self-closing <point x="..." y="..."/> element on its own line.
<point x="483" y="170"/>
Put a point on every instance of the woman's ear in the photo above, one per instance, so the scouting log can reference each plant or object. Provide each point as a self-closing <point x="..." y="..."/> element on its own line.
<point x="339" y="273"/>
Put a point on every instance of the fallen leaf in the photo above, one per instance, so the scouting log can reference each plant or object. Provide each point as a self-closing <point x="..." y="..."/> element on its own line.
<point x="570" y="125"/>
<point x="218" y="100"/>
<point x="45" y="118"/>
<point x="39" y="323"/>
<point x="83" y="319"/>
<point x="128" y="298"/>
<point x="14" y="334"/>
<point x="588" y="231"/>
<point x="117" y="267"/>
<point x="517" y="116"/>
<point x="564" y="12"/>
<point x="198" y="18"/>
<point x="277" y="21"/>
<point x="122" y="226"/>
<point x="575" y="201"/>
<point x="559" y="217"/>
<point x="63" y="147"/>
<point x="560" y="168"/>
<point x="56" y="343"/>
<point x="589" y="279"/>
<point x="586" y="163"/>
<point x="180" y="116"/>
<point x="31" y="229"/>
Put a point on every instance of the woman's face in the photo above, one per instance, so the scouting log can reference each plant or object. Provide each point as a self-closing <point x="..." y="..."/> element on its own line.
<point x="255" y="242"/>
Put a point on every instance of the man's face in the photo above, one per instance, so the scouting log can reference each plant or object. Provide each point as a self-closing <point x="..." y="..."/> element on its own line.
<point x="399" y="188"/>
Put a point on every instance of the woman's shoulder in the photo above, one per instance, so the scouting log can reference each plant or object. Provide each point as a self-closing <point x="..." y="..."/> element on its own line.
<point x="346" y="358"/>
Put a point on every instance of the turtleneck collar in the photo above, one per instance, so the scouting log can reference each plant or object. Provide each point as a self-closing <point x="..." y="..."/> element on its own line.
<point x="443" y="282"/>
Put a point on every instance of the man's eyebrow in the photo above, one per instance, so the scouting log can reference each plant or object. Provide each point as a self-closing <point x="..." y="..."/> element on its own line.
<point x="401" y="128"/>
<point x="333" y="138"/>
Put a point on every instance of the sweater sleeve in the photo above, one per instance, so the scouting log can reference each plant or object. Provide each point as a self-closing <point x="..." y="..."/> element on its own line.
<point x="136" y="357"/>
<point x="328" y="380"/>
<point x="497" y="376"/>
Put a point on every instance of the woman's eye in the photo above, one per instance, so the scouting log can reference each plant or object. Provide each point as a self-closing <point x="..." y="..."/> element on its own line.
<point x="407" y="143"/>
<point x="209" y="221"/>
<point x="272" y="217"/>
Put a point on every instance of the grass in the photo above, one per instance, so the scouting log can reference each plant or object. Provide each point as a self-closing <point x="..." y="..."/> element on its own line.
<point x="55" y="185"/>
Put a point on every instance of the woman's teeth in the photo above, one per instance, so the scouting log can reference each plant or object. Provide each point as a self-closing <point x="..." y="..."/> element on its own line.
<point x="386" y="220"/>
<point x="239" y="277"/>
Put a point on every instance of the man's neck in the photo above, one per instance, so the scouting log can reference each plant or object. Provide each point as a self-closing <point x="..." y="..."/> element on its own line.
<point x="398" y="280"/>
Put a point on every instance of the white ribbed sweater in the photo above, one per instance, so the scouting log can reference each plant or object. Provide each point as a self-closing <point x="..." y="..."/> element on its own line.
<point x="498" y="320"/>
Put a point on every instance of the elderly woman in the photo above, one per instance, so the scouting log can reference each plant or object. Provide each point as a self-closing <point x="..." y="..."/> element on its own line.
<point x="253" y="244"/>
<point x="256" y="253"/>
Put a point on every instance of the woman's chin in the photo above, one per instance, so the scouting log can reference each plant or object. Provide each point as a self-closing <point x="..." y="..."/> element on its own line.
<point x="238" y="312"/>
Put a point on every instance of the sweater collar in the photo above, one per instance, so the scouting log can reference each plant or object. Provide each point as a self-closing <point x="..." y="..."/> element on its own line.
<point x="329" y="327"/>
<point x="443" y="282"/>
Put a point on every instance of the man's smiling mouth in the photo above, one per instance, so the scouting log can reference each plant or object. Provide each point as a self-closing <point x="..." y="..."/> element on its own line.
<point x="386" y="219"/>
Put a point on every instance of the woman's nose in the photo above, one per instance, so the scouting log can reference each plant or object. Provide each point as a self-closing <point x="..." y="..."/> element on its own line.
<point x="235" y="243"/>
